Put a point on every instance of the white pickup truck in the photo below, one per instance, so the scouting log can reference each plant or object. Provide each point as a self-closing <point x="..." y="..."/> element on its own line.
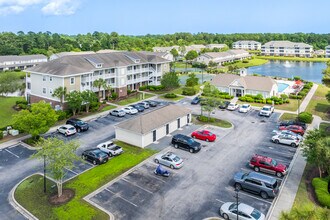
<point x="110" y="148"/>
<point x="267" y="110"/>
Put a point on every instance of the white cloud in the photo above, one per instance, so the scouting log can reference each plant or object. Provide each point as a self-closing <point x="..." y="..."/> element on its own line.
<point x="60" y="7"/>
<point x="14" y="9"/>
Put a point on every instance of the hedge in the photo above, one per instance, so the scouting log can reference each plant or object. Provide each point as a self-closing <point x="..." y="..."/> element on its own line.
<point x="188" y="91"/>
<point x="1" y="134"/>
<point x="305" y="117"/>
<point x="170" y="95"/>
<point x="151" y="88"/>
<point x="321" y="190"/>
<point x="259" y="99"/>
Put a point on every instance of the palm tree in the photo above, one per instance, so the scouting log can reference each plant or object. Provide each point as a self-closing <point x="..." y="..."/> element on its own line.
<point x="99" y="83"/>
<point x="60" y="93"/>
<point x="108" y="87"/>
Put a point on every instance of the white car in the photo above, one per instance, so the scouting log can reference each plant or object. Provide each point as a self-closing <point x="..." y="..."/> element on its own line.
<point x="118" y="113"/>
<point x="110" y="148"/>
<point x="245" y="212"/>
<point x="67" y="130"/>
<point x="244" y="108"/>
<point x="232" y="106"/>
<point x="130" y="110"/>
<point x="169" y="159"/>
<point x="267" y="110"/>
<point x="283" y="132"/>
<point x="286" y="139"/>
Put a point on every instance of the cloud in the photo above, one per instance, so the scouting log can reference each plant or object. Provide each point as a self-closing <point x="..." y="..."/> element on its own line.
<point x="14" y="9"/>
<point x="60" y="7"/>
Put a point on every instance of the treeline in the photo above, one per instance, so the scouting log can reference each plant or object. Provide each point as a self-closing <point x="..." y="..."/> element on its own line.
<point x="47" y="43"/>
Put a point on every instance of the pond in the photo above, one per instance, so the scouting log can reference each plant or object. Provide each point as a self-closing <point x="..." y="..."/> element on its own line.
<point x="310" y="71"/>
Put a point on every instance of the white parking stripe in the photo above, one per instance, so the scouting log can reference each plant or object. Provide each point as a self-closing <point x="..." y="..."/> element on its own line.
<point x="72" y="171"/>
<point x="136" y="185"/>
<point x="12" y="153"/>
<point x="247" y="194"/>
<point x="220" y="201"/>
<point x="155" y="177"/>
<point x="121" y="197"/>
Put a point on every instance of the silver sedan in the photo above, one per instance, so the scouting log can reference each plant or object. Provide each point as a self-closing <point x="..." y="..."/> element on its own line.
<point x="170" y="160"/>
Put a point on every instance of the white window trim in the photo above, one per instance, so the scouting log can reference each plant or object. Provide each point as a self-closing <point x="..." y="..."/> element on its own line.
<point x="43" y="90"/>
<point x="50" y="79"/>
<point x="74" y="80"/>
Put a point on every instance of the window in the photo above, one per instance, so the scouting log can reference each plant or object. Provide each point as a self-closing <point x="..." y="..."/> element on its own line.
<point x="50" y="79"/>
<point x="44" y="90"/>
<point x="50" y="91"/>
<point x="72" y="81"/>
<point x="29" y="85"/>
<point x="44" y="78"/>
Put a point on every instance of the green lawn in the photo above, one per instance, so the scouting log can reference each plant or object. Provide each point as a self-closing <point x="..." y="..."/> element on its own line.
<point x="6" y="112"/>
<point x="312" y="59"/>
<point x="217" y="122"/>
<point x="324" y="126"/>
<point x="181" y="65"/>
<point x="292" y="106"/>
<point x="319" y="105"/>
<point x="108" y="107"/>
<point x="29" y="194"/>
<point x="136" y="98"/>
<point x="288" y="116"/>
<point x="179" y="97"/>
<point x="252" y="62"/>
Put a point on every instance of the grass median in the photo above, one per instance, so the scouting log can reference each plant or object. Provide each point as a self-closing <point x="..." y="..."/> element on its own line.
<point x="319" y="105"/>
<point x="212" y="121"/>
<point x="136" y="98"/>
<point x="7" y="110"/>
<point x="30" y="195"/>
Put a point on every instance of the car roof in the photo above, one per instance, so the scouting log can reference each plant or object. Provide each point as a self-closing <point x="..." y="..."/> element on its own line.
<point x="245" y="208"/>
<point x="68" y="126"/>
<point x="74" y="119"/>
<point x="264" y="158"/>
<point x="246" y="105"/>
<point x="170" y="154"/>
<point x="264" y="178"/>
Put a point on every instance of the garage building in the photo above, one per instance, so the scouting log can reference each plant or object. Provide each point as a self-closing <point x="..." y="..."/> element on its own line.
<point x="150" y="127"/>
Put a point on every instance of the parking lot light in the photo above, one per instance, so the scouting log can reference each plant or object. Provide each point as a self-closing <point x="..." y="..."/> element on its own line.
<point x="237" y="200"/>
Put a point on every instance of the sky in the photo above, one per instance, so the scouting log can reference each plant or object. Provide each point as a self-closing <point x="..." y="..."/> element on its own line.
<point x="140" y="17"/>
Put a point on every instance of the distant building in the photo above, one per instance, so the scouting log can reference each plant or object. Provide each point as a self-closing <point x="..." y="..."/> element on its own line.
<point x="286" y="48"/>
<point x="165" y="49"/>
<point x="13" y="62"/>
<point x="223" y="57"/>
<point x="319" y="52"/>
<point x="196" y="47"/>
<point x="247" y="45"/>
<point x="327" y="51"/>
<point x="212" y="46"/>
<point x="63" y="54"/>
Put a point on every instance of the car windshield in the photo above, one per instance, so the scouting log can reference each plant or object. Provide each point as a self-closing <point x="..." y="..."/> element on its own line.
<point x="176" y="159"/>
<point x="274" y="163"/>
<point x="80" y="123"/>
<point x="190" y="141"/>
<point x="245" y="106"/>
<point x="71" y="129"/>
<point x="266" y="108"/>
<point x="231" y="104"/>
<point x="116" y="148"/>
<point x="99" y="154"/>
<point x="256" y="214"/>
<point x="233" y="206"/>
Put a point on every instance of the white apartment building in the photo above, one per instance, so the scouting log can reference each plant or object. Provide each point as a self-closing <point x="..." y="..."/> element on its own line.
<point x="223" y="57"/>
<point x="186" y="49"/>
<point x="121" y="70"/>
<point x="13" y="62"/>
<point x="286" y="48"/>
<point x="247" y="45"/>
<point x="327" y="51"/>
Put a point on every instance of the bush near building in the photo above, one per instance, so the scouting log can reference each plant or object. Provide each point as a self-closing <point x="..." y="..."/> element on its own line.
<point x="170" y="95"/>
<point x="321" y="190"/>
<point x="151" y="88"/>
<point x="259" y="99"/>
<point x="305" y="117"/>
<point x="303" y="92"/>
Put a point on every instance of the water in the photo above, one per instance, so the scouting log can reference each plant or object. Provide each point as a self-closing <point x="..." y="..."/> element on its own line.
<point x="282" y="86"/>
<point x="310" y="71"/>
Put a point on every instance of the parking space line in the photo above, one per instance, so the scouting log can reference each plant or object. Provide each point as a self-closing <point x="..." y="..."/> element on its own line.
<point x="121" y="197"/>
<point x="156" y="177"/>
<point x="72" y="171"/>
<point x="220" y="201"/>
<point x="12" y="153"/>
<point x="248" y="194"/>
<point x="136" y="185"/>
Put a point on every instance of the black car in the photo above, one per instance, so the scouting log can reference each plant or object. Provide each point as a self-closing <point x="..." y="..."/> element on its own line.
<point x="96" y="156"/>
<point x="140" y="108"/>
<point x="224" y="105"/>
<point x="151" y="103"/>
<point x="78" y="124"/>
<point x="288" y="123"/>
<point x="186" y="143"/>
<point x="195" y="100"/>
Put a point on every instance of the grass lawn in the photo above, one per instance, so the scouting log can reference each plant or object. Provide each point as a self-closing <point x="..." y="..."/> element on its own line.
<point x="319" y="105"/>
<point x="288" y="116"/>
<point x="108" y="107"/>
<point x="6" y="106"/>
<point x="136" y="98"/>
<point x="29" y="196"/>
<point x="312" y="59"/>
<point x="324" y="126"/>
<point x="292" y="106"/>
<point x="182" y="65"/>
<point x="217" y="122"/>
<point x="179" y="97"/>
<point x="252" y="62"/>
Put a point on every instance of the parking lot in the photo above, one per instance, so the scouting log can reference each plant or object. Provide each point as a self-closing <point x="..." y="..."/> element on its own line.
<point x="205" y="182"/>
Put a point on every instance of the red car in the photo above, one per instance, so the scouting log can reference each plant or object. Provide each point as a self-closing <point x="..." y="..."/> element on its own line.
<point x="267" y="165"/>
<point x="294" y="128"/>
<point x="204" y="135"/>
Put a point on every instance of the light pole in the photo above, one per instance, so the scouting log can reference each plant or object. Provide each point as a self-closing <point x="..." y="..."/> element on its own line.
<point x="44" y="173"/>
<point x="237" y="200"/>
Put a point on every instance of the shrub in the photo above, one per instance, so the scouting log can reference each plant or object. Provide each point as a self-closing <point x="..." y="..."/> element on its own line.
<point x="170" y="95"/>
<point x="142" y="88"/>
<point x="188" y="91"/>
<point x="242" y="98"/>
<point x="249" y="99"/>
<point x="269" y="102"/>
<point x="1" y="134"/>
<point x="94" y="106"/>
<point x="229" y="96"/>
<point x="305" y="117"/>
<point x="61" y="115"/>
<point x="203" y="118"/>
<point x="114" y="95"/>
<point x="302" y="93"/>
<point x="321" y="190"/>
<point x="24" y="102"/>
<point x="22" y="106"/>
<point x="104" y="102"/>
<point x="245" y="61"/>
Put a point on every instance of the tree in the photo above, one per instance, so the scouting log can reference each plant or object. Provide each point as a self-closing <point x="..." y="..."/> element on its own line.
<point x="99" y="83"/>
<point x="192" y="54"/>
<point x="192" y="80"/>
<point x="9" y="82"/>
<point x="209" y="105"/>
<point x="170" y="81"/>
<point x="88" y="97"/>
<point x="75" y="101"/>
<point x="36" y="121"/>
<point x="306" y="211"/>
<point x="108" y="87"/>
<point x="175" y="53"/>
<point x="60" y="93"/>
<point x="328" y="96"/>
<point x="60" y="157"/>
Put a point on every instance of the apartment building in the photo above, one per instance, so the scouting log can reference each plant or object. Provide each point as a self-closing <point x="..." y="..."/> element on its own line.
<point x="120" y="70"/>
<point x="186" y="49"/>
<point x="327" y="51"/>
<point x="247" y="45"/>
<point x="223" y="57"/>
<point x="13" y="62"/>
<point x="63" y="54"/>
<point x="286" y="48"/>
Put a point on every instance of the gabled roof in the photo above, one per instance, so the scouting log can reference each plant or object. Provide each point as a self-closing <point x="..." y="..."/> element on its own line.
<point x="285" y="43"/>
<point x="22" y="58"/>
<point x="150" y="121"/>
<point x="246" y="42"/>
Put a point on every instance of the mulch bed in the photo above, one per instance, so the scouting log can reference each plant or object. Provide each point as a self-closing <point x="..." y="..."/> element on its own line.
<point x="67" y="195"/>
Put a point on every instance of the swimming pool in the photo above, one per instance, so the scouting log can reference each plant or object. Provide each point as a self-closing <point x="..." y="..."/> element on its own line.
<point x="282" y="86"/>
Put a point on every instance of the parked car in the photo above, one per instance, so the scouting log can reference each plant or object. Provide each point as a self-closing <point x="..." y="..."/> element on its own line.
<point x="95" y="155"/>
<point x="130" y="110"/>
<point x="287" y="123"/>
<point x="267" y="110"/>
<point x="283" y="132"/>
<point x="287" y="139"/>
<point x="244" y="108"/>
<point x="186" y="143"/>
<point x="151" y="103"/>
<point x="224" y="105"/>
<point x="140" y="108"/>
<point x="267" y="165"/>
<point x="257" y="183"/>
<point x="294" y="128"/>
<point x="204" y="135"/>
<point x="110" y="148"/>
<point x="232" y="106"/>
<point x="118" y="113"/>
<point x="169" y="159"/>
<point x="195" y="100"/>
<point x="245" y="212"/>
<point x="144" y="104"/>
<point x="67" y="130"/>
<point x="78" y="124"/>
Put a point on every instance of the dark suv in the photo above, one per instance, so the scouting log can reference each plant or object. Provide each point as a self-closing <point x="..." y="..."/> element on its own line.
<point x="78" y="124"/>
<point x="257" y="183"/>
<point x="186" y="143"/>
<point x="96" y="156"/>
